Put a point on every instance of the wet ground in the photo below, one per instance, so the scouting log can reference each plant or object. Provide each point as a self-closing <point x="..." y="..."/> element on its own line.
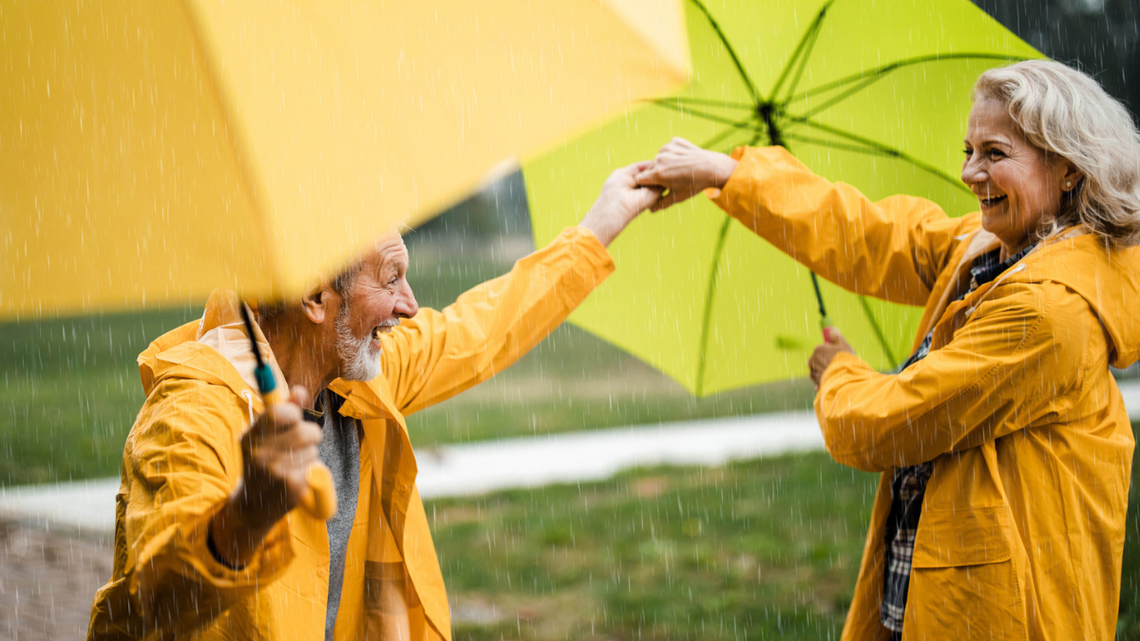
<point x="48" y="581"/>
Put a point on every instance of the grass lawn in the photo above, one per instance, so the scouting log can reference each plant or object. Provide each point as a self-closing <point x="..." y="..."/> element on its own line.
<point x="766" y="549"/>
<point x="69" y="388"/>
<point x="69" y="392"/>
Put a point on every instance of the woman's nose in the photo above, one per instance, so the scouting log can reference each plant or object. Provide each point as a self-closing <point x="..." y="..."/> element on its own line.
<point x="972" y="172"/>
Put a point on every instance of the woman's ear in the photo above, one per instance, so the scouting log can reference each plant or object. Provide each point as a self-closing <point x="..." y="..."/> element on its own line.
<point x="1071" y="176"/>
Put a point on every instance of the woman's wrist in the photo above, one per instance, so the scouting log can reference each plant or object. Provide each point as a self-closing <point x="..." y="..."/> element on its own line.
<point x="723" y="166"/>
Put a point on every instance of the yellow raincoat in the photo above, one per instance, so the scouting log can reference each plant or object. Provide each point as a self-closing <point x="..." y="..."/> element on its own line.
<point x="182" y="459"/>
<point x="1022" y="525"/>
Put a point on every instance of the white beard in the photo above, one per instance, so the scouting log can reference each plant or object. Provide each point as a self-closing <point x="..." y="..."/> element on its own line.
<point x="358" y="360"/>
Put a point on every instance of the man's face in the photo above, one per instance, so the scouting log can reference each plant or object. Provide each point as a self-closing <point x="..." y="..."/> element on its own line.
<point x="377" y="299"/>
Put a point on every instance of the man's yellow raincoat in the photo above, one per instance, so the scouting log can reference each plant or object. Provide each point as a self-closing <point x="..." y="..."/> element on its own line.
<point x="1023" y="520"/>
<point x="182" y="459"/>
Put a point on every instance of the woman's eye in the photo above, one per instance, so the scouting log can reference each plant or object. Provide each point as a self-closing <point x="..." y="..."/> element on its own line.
<point x="968" y="152"/>
<point x="996" y="153"/>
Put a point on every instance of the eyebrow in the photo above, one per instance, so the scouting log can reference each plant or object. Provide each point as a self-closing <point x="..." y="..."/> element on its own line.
<point x="990" y="141"/>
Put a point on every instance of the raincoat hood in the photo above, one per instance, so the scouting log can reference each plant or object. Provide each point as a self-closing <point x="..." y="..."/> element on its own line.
<point x="1107" y="278"/>
<point x="214" y="349"/>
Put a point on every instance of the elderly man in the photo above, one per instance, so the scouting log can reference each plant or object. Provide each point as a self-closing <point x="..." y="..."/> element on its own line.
<point x="207" y="543"/>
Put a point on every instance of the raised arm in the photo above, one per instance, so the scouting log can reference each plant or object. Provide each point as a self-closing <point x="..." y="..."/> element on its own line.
<point x="892" y="249"/>
<point x="438" y="354"/>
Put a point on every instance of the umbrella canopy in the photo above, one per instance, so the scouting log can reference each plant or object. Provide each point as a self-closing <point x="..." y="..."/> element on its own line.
<point x="154" y="151"/>
<point x="871" y="94"/>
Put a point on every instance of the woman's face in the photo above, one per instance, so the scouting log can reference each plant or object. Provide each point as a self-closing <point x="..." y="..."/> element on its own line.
<point x="1017" y="184"/>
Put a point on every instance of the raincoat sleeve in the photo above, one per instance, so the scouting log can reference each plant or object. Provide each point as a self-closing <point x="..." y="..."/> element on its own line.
<point x="1019" y="361"/>
<point x="185" y="460"/>
<point x="438" y="354"/>
<point x="893" y="249"/>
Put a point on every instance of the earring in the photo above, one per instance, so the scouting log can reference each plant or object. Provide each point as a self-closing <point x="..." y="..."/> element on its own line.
<point x="1068" y="184"/>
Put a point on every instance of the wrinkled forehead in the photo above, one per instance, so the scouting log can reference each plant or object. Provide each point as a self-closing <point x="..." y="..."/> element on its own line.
<point x="388" y="249"/>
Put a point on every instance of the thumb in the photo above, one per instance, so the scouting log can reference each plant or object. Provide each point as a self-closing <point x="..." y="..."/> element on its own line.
<point x="646" y="196"/>
<point x="645" y="176"/>
<point x="832" y="335"/>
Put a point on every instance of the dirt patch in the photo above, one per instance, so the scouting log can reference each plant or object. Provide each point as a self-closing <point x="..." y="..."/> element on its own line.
<point x="48" y="581"/>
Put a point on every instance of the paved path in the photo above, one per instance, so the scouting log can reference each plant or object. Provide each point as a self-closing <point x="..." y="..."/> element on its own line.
<point x="456" y="470"/>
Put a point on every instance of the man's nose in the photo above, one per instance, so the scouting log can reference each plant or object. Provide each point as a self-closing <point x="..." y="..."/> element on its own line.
<point x="406" y="306"/>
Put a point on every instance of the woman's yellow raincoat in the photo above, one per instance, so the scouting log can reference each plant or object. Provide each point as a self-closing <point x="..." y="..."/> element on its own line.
<point x="182" y="459"/>
<point x="1023" y="520"/>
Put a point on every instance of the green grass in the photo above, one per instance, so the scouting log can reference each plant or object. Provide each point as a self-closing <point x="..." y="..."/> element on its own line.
<point x="69" y="392"/>
<point x="69" y="388"/>
<point x="767" y="549"/>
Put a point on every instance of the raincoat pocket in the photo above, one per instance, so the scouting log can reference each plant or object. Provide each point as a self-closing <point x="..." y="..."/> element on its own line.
<point x="964" y="582"/>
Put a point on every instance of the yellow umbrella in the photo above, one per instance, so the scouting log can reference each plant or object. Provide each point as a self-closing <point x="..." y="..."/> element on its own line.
<point x="151" y="151"/>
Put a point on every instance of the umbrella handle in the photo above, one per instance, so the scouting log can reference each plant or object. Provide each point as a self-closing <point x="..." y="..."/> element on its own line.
<point x="824" y="323"/>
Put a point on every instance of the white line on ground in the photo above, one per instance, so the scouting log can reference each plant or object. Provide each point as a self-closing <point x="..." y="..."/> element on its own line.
<point x="476" y="468"/>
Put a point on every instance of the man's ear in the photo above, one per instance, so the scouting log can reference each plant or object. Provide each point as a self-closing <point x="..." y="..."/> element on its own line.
<point x="320" y="303"/>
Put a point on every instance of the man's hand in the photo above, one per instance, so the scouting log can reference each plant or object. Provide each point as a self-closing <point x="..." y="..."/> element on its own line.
<point x="277" y="452"/>
<point x="823" y="355"/>
<point x="620" y="202"/>
<point x="685" y="170"/>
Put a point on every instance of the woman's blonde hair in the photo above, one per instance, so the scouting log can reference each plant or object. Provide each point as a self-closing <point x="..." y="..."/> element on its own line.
<point x="1065" y="112"/>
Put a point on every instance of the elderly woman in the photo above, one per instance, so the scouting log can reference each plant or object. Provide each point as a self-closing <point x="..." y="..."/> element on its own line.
<point x="1004" y="446"/>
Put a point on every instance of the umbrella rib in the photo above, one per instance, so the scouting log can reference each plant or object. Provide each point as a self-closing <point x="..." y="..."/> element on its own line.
<point x="827" y="104"/>
<point x="881" y="149"/>
<point x="811" y="34"/>
<point x="707" y="103"/>
<point x="880" y="72"/>
<point x="701" y="114"/>
<point x="801" y="65"/>
<point x="839" y="145"/>
<point x="706" y="321"/>
<point x="721" y="137"/>
<point x="878" y="332"/>
<point x="731" y="52"/>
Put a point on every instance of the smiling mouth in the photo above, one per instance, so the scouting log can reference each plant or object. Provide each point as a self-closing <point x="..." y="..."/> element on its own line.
<point x="990" y="202"/>
<point x="382" y="329"/>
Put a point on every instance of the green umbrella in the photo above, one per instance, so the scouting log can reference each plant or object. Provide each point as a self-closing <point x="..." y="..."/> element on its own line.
<point x="871" y="94"/>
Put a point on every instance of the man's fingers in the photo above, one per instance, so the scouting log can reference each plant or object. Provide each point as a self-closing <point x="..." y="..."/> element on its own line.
<point x="673" y="198"/>
<point x="299" y="395"/>
<point x="645" y="197"/>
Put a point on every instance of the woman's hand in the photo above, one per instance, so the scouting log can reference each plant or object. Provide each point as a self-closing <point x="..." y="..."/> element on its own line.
<point x="823" y="355"/>
<point x="621" y="200"/>
<point x="685" y="170"/>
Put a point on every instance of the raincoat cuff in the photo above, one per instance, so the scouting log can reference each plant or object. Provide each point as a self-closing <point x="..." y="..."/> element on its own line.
<point x="591" y="250"/>
<point x="843" y="361"/>
<point x="755" y="166"/>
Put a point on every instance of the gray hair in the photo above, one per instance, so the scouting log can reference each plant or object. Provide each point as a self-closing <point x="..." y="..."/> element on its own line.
<point x="341" y="284"/>
<point x="1067" y="113"/>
